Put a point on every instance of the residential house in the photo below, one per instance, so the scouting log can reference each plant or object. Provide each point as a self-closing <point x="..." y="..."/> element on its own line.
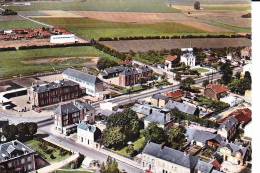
<point x="16" y="157"/>
<point x="143" y="110"/>
<point x="204" y="167"/>
<point x="243" y="116"/>
<point x="161" y="117"/>
<point x="232" y="100"/>
<point x="92" y="84"/>
<point x="188" y="57"/>
<point x="234" y="154"/>
<point x="88" y="135"/>
<point x="112" y="72"/>
<point x="157" y="158"/>
<point x="159" y="100"/>
<point x="228" y="128"/>
<point x="215" y="91"/>
<point x="183" y="107"/>
<point x="170" y="62"/>
<point x="55" y="92"/>
<point x="132" y="76"/>
<point x="68" y="115"/>
<point x="203" y="138"/>
<point x="175" y="95"/>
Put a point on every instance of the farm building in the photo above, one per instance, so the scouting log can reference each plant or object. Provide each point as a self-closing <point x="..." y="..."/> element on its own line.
<point x="66" y="38"/>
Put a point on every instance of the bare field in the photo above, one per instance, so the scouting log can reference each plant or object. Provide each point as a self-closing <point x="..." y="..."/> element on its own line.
<point x="135" y="17"/>
<point x="161" y="44"/>
<point x="31" y="42"/>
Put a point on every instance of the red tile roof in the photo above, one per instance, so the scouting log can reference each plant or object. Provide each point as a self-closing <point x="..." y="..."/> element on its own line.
<point x="217" y="88"/>
<point x="242" y="115"/>
<point x="171" y="58"/>
<point x="175" y="94"/>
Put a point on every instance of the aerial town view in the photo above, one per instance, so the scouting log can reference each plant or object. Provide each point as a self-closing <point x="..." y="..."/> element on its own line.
<point x="125" y="86"/>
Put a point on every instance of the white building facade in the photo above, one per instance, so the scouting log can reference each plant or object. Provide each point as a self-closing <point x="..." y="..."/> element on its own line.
<point x="188" y="57"/>
<point x="61" y="39"/>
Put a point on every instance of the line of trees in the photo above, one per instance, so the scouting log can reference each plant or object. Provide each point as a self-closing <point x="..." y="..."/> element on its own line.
<point x="19" y="131"/>
<point x="172" y="37"/>
<point x="108" y="50"/>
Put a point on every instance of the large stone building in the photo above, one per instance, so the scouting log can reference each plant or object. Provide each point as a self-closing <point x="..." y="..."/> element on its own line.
<point x="68" y="115"/>
<point x="15" y="157"/>
<point x="92" y="84"/>
<point x="52" y="93"/>
<point x="161" y="159"/>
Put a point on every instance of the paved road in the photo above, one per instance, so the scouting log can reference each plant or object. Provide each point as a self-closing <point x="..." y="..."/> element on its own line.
<point x="88" y="152"/>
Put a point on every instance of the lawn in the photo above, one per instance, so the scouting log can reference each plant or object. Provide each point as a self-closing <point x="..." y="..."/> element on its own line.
<point x="138" y="145"/>
<point x="14" y="24"/>
<point x="233" y="7"/>
<point x="27" y="62"/>
<point x="201" y="70"/>
<point x="100" y="5"/>
<point x="91" y="28"/>
<point x="133" y="89"/>
<point x="34" y="144"/>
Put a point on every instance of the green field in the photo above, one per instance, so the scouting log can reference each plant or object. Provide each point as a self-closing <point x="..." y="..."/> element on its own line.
<point x="14" y="24"/>
<point x="90" y="28"/>
<point x="13" y="63"/>
<point x="227" y="7"/>
<point x="100" y="5"/>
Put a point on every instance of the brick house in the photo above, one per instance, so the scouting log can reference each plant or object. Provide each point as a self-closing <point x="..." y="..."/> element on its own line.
<point x="175" y="95"/>
<point x="52" y="93"/>
<point x="215" y="91"/>
<point x="132" y="76"/>
<point x="68" y="115"/>
<point x="170" y="62"/>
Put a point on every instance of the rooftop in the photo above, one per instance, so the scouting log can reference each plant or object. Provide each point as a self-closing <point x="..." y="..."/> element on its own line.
<point x="82" y="76"/>
<point x="229" y="123"/>
<point x="171" y="58"/>
<point x="175" y="94"/>
<point x="12" y="149"/>
<point x="217" y="88"/>
<point x="183" y="107"/>
<point x="170" y="155"/>
<point x="53" y="85"/>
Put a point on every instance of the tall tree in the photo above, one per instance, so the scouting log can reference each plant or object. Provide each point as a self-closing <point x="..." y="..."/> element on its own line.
<point x="154" y="133"/>
<point x="10" y="132"/>
<point x="227" y="73"/>
<point x="32" y="128"/>
<point x="113" y="137"/>
<point x="186" y="83"/>
<point x="176" y="136"/>
<point x="22" y="129"/>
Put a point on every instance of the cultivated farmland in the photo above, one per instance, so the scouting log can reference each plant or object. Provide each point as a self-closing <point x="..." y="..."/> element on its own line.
<point x="91" y="28"/>
<point x="168" y="44"/>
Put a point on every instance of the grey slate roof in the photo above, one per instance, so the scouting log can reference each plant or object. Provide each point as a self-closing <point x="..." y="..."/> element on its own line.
<point x="186" y="108"/>
<point x="170" y="155"/>
<point x="11" y="149"/>
<point x="53" y="85"/>
<point x="129" y="71"/>
<point x="73" y="107"/>
<point x="82" y="76"/>
<point x="204" y="167"/>
<point x="112" y="70"/>
<point x="157" y="117"/>
<point x="202" y="136"/>
<point x="67" y="108"/>
<point x="160" y="97"/>
<point x="81" y="105"/>
<point x="229" y="123"/>
<point x="87" y="127"/>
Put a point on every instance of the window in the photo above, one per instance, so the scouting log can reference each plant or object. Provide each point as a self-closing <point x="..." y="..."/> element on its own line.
<point x="22" y="161"/>
<point x="29" y="159"/>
